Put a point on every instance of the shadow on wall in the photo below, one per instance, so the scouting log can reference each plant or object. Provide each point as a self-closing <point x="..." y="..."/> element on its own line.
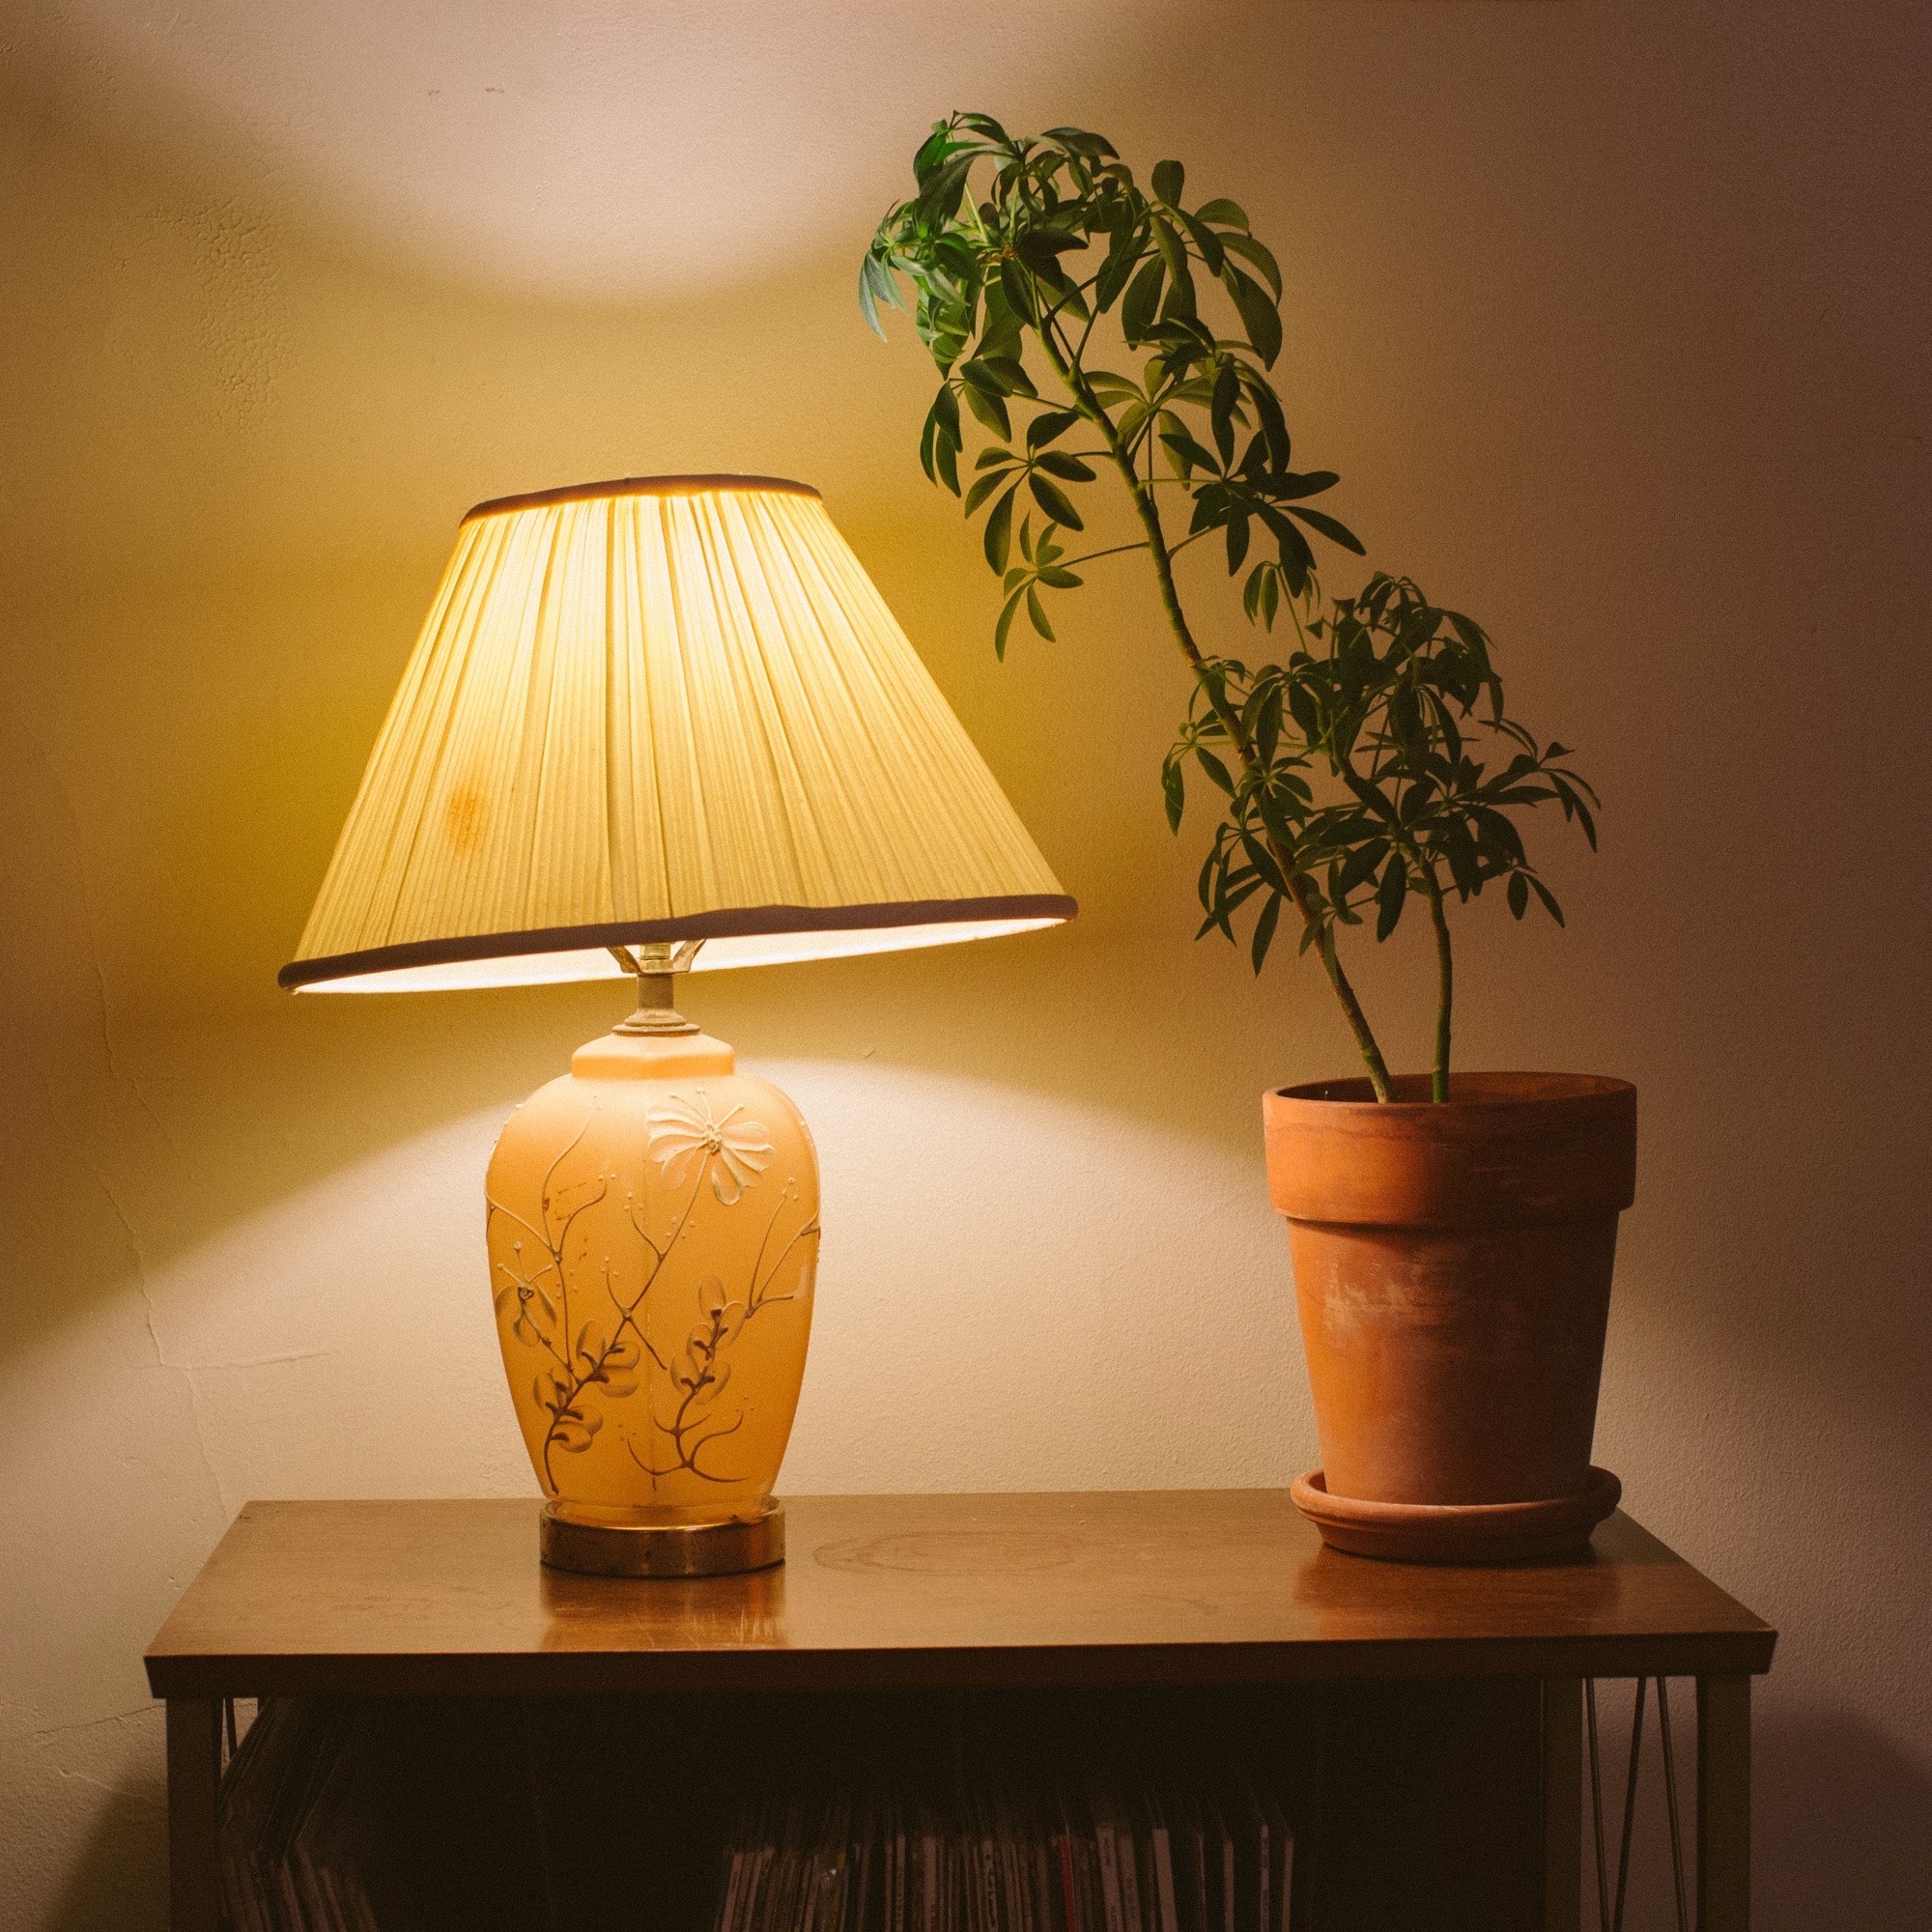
<point x="112" y="1776"/>
<point x="110" y="1875"/>
<point x="1843" y="1813"/>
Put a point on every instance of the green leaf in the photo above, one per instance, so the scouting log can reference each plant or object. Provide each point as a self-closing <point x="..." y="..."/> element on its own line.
<point x="1128" y="245"/>
<point x="946" y="460"/>
<point x="1250" y="250"/>
<point x="1264" y="925"/>
<point x="1142" y="297"/>
<point x="998" y="537"/>
<point x="1215" y="769"/>
<point x="1297" y="560"/>
<point x="940" y="197"/>
<point x="1072" y="468"/>
<point x="1000" y="338"/>
<point x="1221" y="411"/>
<point x="1179" y="303"/>
<point x="1005" y="623"/>
<point x="1037" y="612"/>
<point x="1359" y="868"/>
<point x="1544" y="893"/>
<point x="1184" y="451"/>
<point x="1223" y="214"/>
<point x="1291" y="484"/>
<point x="1017" y="288"/>
<point x="1205" y="239"/>
<point x="984" y="486"/>
<point x="1260" y="317"/>
<point x="934" y="149"/>
<point x="869" y="295"/>
<point x="1010" y="372"/>
<point x="1263" y="860"/>
<point x="1274" y="427"/>
<point x="990" y="408"/>
<point x="1267" y="726"/>
<point x="1049" y="426"/>
<point x="1336" y="532"/>
<point x="1518" y="894"/>
<point x="1173" y="784"/>
<point x="1054" y="501"/>
<point x="1169" y="177"/>
<point x="939" y="440"/>
<point x="1390" y="895"/>
<point x="977" y="373"/>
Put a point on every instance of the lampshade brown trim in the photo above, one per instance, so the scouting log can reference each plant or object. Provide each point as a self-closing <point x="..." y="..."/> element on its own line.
<point x="737" y="921"/>
<point x="639" y="486"/>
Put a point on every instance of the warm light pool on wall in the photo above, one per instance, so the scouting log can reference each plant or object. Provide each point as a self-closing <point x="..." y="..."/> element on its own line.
<point x="649" y="726"/>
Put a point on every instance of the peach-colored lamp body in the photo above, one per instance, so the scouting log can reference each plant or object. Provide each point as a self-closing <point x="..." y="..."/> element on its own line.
<point x="653" y="1228"/>
<point x="653" y="724"/>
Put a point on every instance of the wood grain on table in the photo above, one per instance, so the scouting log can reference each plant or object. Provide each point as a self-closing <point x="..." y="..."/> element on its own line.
<point x="1161" y="1586"/>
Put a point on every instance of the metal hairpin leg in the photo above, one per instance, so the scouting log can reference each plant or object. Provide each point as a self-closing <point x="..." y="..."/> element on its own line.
<point x="1597" y="1812"/>
<point x="1609" y="1912"/>
<point x="1671" y="1803"/>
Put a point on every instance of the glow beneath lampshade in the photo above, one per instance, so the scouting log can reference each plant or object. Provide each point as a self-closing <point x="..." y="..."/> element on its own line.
<point x="777" y="949"/>
<point x="662" y="710"/>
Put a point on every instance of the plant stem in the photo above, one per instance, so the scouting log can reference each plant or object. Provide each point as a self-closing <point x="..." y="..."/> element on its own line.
<point x="1445" y="992"/>
<point x="1148" y="512"/>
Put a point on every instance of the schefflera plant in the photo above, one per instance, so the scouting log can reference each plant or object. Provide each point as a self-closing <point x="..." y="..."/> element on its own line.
<point x="1377" y="766"/>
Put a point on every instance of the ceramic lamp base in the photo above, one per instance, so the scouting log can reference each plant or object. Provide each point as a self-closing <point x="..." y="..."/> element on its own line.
<point x="754" y="1542"/>
<point x="1457" y="1532"/>
<point x="653" y="1230"/>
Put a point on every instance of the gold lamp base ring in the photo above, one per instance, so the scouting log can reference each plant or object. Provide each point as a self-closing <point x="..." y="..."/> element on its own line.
<point x="754" y="1542"/>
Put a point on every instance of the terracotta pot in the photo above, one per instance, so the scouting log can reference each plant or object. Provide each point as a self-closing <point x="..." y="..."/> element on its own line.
<point x="1452" y="1265"/>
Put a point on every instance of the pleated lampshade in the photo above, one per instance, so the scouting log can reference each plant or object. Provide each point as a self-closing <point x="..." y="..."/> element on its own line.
<point x="665" y="709"/>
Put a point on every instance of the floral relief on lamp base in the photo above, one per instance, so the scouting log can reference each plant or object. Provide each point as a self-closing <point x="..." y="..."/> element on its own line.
<point x="652" y="1220"/>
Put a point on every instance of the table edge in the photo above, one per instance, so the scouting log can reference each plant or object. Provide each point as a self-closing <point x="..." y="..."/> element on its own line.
<point x="754" y="1669"/>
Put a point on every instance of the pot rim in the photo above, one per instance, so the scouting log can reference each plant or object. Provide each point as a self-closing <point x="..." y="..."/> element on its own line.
<point x="1519" y="1147"/>
<point x="1536" y="1089"/>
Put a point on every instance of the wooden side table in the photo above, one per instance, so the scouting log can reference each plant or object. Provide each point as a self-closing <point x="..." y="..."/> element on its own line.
<point x="944" y="1594"/>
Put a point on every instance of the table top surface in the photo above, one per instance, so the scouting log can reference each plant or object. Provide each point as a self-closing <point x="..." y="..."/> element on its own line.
<point x="1152" y="1587"/>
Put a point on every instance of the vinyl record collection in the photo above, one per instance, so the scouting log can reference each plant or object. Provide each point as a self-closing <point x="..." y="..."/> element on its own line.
<point x="476" y="1815"/>
<point x="379" y="1816"/>
<point x="1085" y="1856"/>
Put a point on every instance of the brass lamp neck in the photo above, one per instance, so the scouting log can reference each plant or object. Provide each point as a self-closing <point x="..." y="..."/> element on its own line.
<point x="656" y="968"/>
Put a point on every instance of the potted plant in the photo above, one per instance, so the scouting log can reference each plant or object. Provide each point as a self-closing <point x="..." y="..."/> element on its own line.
<point x="1452" y="1234"/>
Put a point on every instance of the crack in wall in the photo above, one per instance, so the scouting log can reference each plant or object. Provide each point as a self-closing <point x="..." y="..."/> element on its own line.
<point x="143" y="1797"/>
<point x="46" y="1734"/>
<point x="260" y="1361"/>
<point x="131" y="1087"/>
<point x="146" y="1291"/>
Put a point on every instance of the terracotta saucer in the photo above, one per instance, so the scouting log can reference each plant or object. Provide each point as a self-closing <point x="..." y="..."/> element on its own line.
<point x="1457" y="1532"/>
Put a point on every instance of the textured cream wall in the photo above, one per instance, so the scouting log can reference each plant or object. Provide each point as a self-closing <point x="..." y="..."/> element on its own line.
<point x="1611" y="317"/>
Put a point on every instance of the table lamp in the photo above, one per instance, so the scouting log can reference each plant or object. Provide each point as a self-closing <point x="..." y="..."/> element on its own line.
<point x="653" y="725"/>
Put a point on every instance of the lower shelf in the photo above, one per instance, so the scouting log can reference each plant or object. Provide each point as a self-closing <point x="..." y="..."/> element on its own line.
<point x="1306" y="1809"/>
